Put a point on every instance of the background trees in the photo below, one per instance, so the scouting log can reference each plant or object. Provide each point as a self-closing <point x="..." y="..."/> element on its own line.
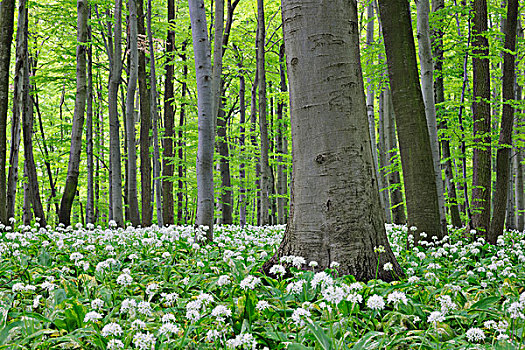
<point x="169" y="130"/>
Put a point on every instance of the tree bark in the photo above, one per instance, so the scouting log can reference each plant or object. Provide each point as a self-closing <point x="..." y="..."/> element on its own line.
<point x="134" y="215"/>
<point x="90" y="204"/>
<point x="427" y="89"/>
<point x="18" y="109"/>
<point x="224" y="165"/>
<point x="145" y="122"/>
<point x="520" y="176"/>
<point x="396" y="196"/>
<point x="242" y="148"/>
<point x="202" y="53"/>
<point x="114" y="124"/>
<point x="181" y="217"/>
<point x="507" y="124"/>
<point x="335" y="210"/>
<point x="414" y="142"/>
<point x="70" y="188"/>
<point x="7" y="13"/>
<point x="169" y="123"/>
<point x="282" y="186"/>
<point x="481" y="159"/>
<point x="155" y="118"/>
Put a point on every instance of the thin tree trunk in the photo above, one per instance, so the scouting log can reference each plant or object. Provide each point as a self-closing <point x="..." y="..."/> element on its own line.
<point x="27" y="215"/>
<point x="266" y="178"/>
<point x="18" y="109"/>
<point x="181" y="218"/>
<point x="333" y="216"/>
<point x="169" y="123"/>
<point x="114" y="137"/>
<point x="396" y="196"/>
<point x="253" y="140"/>
<point x="130" y="116"/>
<point x="155" y="119"/>
<point x="242" y="149"/>
<point x="520" y="175"/>
<point x="507" y="123"/>
<point x="481" y="159"/>
<point x="145" y="122"/>
<point x="7" y="13"/>
<point x="427" y="88"/>
<point x="201" y="49"/>
<point x="226" y="203"/>
<point x="510" y="219"/>
<point x="412" y="129"/>
<point x="70" y="188"/>
<point x="90" y="204"/>
<point x="282" y="186"/>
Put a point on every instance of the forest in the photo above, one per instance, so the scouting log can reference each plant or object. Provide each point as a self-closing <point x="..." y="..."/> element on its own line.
<point x="262" y="174"/>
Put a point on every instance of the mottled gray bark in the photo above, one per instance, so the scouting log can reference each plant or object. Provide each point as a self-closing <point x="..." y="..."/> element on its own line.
<point x="414" y="141"/>
<point x="266" y="178"/>
<point x="145" y="123"/>
<point x="335" y="210"/>
<point x="181" y="215"/>
<point x="202" y="53"/>
<point x="7" y="13"/>
<point x="130" y="116"/>
<point x="18" y="109"/>
<point x="282" y="185"/>
<point x="427" y="88"/>
<point x="507" y="124"/>
<point x="155" y="119"/>
<point x="70" y="188"/>
<point x="114" y="124"/>
<point x="242" y="148"/>
<point x="90" y="203"/>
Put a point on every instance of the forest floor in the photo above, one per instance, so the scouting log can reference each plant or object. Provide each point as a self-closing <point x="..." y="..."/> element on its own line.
<point x="163" y="288"/>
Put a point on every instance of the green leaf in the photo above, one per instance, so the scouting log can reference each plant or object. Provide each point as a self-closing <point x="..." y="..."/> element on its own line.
<point x="60" y="296"/>
<point x="367" y="342"/>
<point x="297" y="346"/>
<point x="484" y="304"/>
<point x="324" y="341"/>
<point x="44" y="259"/>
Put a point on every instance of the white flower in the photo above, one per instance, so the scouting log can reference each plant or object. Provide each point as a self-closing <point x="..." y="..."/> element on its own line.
<point x="76" y="256"/>
<point x="220" y="312"/>
<point x="299" y="315"/>
<point x="322" y="279"/>
<point x="413" y="279"/>
<point x="92" y="316"/>
<point x="138" y="324"/>
<point x="36" y="301"/>
<point x="144" y="308"/>
<point x="124" y="279"/>
<point x="278" y="270"/>
<point x="18" y="287"/>
<point x="249" y="282"/>
<point x="113" y="329"/>
<point x="313" y="263"/>
<point x="354" y="298"/>
<point x="435" y="316"/>
<point x="168" y="327"/>
<point x="241" y="340"/>
<point x="166" y="255"/>
<point x="262" y="305"/>
<point x="128" y="305"/>
<point x="396" y="297"/>
<point x="223" y="280"/>
<point x="388" y="266"/>
<point x="333" y="294"/>
<point x="446" y="304"/>
<point x="376" y="302"/>
<point x="97" y="304"/>
<point x="169" y="298"/>
<point x="475" y="335"/>
<point x="515" y="310"/>
<point x="115" y="344"/>
<point x="144" y="341"/>
<point x="152" y="288"/>
<point x="295" y="287"/>
<point x="334" y="265"/>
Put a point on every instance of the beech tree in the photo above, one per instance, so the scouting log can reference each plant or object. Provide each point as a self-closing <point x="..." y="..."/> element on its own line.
<point x="335" y="211"/>
<point x="70" y="188"/>
<point x="414" y="142"/>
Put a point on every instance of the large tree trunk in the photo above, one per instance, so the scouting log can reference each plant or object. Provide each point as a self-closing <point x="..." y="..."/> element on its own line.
<point x="169" y="123"/>
<point x="266" y="178"/>
<point x="114" y="137"/>
<point x="130" y="116"/>
<point x="18" y="109"/>
<point x="7" y="13"/>
<point x="282" y="186"/>
<point x="254" y="142"/>
<point x="520" y="174"/>
<point x="335" y="210"/>
<point x="427" y="89"/>
<point x="507" y="124"/>
<point x="70" y="189"/>
<point x="202" y="53"/>
<point x="481" y="159"/>
<point x="155" y="118"/>
<point x="414" y="141"/>
<point x="145" y="123"/>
